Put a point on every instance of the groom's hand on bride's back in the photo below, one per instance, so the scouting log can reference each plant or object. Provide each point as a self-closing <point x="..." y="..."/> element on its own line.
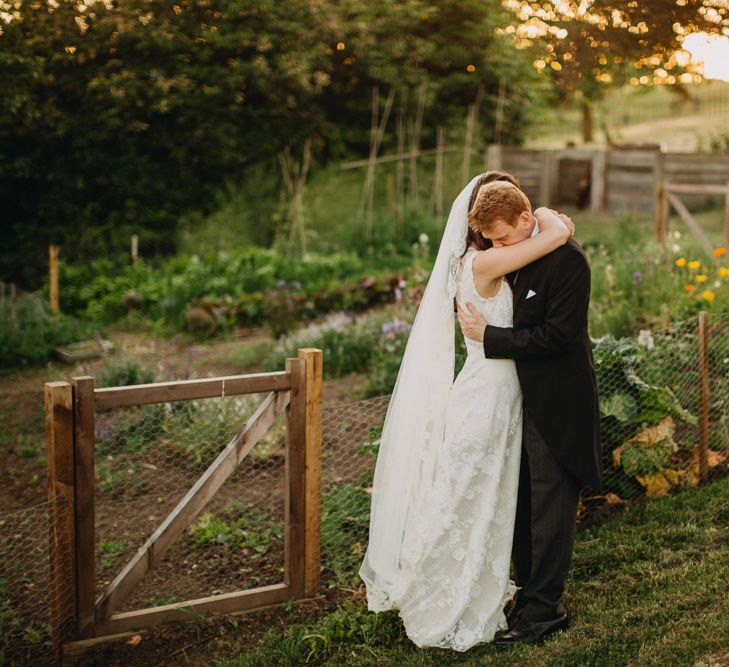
<point x="473" y="324"/>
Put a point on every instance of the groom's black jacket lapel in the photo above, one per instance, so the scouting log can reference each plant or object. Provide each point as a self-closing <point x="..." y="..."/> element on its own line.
<point x="553" y="354"/>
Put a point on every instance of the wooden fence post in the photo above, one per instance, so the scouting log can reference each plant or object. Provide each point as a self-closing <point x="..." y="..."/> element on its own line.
<point x="704" y="397"/>
<point x="83" y="397"/>
<point x="546" y="179"/>
<point x="726" y="214"/>
<point x="61" y="492"/>
<point x="135" y="248"/>
<point x="313" y="359"/>
<point x="661" y="202"/>
<point x="53" y="276"/>
<point x="295" y="501"/>
<point x="13" y="305"/>
<point x="597" y="192"/>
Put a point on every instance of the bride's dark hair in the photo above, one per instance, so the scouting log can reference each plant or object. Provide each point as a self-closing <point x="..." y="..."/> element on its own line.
<point x="475" y="239"/>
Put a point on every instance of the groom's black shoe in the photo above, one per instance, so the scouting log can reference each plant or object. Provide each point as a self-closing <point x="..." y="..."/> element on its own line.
<point x="529" y="632"/>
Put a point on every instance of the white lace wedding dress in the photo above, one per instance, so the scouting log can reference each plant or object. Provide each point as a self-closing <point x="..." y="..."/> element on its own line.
<point x="454" y="580"/>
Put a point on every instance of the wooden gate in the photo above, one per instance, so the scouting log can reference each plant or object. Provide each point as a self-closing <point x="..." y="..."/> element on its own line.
<point x="70" y="414"/>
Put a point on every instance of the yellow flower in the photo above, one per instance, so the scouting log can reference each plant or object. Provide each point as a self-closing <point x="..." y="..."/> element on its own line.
<point x="700" y="278"/>
<point x="708" y="295"/>
<point x="695" y="264"/>
<point x="718" y="252"/>
<point x="723" y="272"/>
<point x="681" y="262"/>
<point x="689" y="287"/>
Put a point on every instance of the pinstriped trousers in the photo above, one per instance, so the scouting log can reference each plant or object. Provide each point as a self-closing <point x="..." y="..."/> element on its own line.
<point x="544" y="529"/>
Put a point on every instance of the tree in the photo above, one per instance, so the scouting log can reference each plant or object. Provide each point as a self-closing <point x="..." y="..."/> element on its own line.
<point x="588" y="45"/>
<point x="120" y="116"/>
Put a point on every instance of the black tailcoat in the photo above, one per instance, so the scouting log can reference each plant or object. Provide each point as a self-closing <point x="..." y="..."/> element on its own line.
<point x="553" y="354"/>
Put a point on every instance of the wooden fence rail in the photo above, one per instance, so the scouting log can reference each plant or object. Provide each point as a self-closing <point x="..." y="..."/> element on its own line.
<point x="80" y="621"/>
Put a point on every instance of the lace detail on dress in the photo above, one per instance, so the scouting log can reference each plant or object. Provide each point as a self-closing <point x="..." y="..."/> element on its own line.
<point x="454" y="578"/>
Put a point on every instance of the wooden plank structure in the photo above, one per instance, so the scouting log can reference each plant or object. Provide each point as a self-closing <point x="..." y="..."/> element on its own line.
<point x="81" y="621"/>
<point x="667" y="196"/>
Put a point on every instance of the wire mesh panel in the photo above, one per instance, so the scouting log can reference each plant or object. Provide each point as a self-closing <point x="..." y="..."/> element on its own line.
<point x="350" y="438"/>
<point x="26" y="584"/>
<point x="648" y="394"/>
<point x="147" y="458"/>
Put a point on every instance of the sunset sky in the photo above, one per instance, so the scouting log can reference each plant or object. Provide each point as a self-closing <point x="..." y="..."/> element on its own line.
<point x="713" y="50"/>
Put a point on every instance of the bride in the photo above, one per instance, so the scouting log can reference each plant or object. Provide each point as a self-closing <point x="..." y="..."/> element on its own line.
<point x="445" y="484"/>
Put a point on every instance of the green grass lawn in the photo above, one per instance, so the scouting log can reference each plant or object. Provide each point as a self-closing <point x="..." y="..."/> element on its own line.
<point x="646" y="588"/>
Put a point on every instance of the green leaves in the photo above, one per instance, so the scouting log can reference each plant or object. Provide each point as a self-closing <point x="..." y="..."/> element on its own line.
<point x="622" y="406"/>
<point x="623" y="394"/>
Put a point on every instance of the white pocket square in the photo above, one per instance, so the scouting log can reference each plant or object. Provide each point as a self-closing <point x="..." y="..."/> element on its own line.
<point x="530" y="294"/>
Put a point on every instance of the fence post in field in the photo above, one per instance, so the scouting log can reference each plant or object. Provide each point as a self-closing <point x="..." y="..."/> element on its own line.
<point x="661" y="207"/>
<point x="61" y="493"/>
<point x="13" y="304"/>
<point x="704" y="397"/>
<point x="295" y="502"/>
<point x="597" y="193"/>
<point x="53" y="275"/>
<point x="83" y="398"/>
<point x="726" y="214"/>
<point x="313" y="359"/>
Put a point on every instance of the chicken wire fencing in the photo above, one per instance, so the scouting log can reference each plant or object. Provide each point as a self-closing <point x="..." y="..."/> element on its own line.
<point x="650" y="412"/>
<point x="25" y="583"/>
<point x="147" y="458"/>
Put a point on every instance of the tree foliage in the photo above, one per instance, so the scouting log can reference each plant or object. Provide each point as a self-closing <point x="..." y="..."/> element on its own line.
<point x="118" y="117"/>
<point x="588" y="45"/>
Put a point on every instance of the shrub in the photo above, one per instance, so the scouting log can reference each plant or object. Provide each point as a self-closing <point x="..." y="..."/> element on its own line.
<point x="34" y="335"/>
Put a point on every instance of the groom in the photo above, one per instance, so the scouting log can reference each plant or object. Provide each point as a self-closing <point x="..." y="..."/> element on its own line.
<point x="560" y="444"/>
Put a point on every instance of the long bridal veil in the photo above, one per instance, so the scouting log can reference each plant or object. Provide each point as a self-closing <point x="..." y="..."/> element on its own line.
<point x="415" y="421"/>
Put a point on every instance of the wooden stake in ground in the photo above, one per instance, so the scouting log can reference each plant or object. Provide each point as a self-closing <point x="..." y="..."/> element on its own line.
<point x="53" y="276"/>
<point x="83" y="399"/>
<point x="399" y="167"/>
<point x="436" y="196"/>
<point x="13" y="304"/>
<point x="470" y="124"/>
<point x="294" y="178"/>
<point x="415" y="126"/>
<point x="704" y="397"/>
<point x="135" y="248"/>
<point x="377" y="131"/>
<point x="661" y="210"/>
<point x="726" y="215"/>
<point x="61" y="497"/>
<point x="313" y="436"/>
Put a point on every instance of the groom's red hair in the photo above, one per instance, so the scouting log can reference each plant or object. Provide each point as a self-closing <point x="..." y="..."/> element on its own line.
<point x="496" y="202"/>
<point x="475" y="239"/>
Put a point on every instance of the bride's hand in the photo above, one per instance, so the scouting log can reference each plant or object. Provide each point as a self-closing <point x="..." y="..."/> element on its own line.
<point x="565" y="219"/>
<point x="551" y="221"/>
